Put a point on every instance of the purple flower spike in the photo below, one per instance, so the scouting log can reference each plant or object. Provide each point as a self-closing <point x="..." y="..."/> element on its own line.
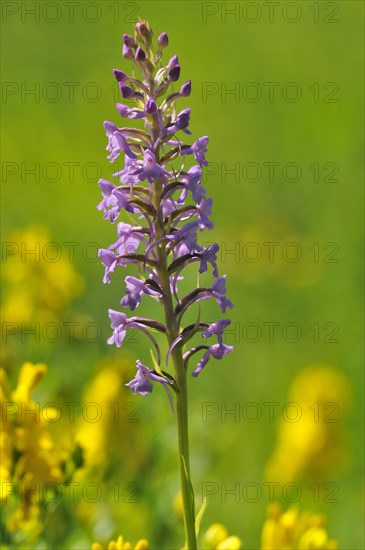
<point x="166" y="207"/>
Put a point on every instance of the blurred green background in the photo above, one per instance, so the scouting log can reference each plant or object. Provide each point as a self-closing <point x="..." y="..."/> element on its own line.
<point x="318" y="48"/>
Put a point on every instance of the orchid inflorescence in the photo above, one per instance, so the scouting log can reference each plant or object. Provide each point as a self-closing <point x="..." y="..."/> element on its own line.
<point x="169" y="207"/>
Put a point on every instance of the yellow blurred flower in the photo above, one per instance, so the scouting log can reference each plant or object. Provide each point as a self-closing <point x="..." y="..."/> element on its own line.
<point x="29" y="460"/>
<point x="311" y="445"/>
<point x="217" y="538"/>
<point x="104" y="390"/>
<point x="292" y="530"/>
<point x="119" y="544"/>
<point x="177" y="505"/>
<point x="39" y="278"/>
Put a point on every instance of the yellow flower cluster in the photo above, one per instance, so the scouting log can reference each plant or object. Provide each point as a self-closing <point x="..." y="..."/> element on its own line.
<point x="217" y="538"/>
<point x="29" y="460"/>
<point x="119" y="544"/>
<point x="39" y="277"/>
<point x="292" y="530"/>
<point x="309" y="445"/>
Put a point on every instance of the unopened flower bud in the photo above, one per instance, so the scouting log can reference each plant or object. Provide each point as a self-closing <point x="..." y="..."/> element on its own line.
<point x="173" y="61"/>
<point x="126" y="91"/>
<point x="140" y="55"/>
<point x="141" y="28"/>
<point x="129" y="40"/>
<point x="144" y="34"/>
<point x="174" y="74"/>
<point x="151" y="106"/>
<point x="185" y="89"/>
<point x="163" y="40"/>
<point x="127" y="52"/>
<point x="120" y="76"/>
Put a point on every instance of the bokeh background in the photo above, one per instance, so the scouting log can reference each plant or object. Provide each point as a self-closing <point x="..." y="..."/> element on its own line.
<point x="312" y="303"/>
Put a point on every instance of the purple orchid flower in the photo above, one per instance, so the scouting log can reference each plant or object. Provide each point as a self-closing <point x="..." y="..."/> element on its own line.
<point x="218" y="290"/>
<point x="128" y="174"/>
<point x="116" y="142"/>
<point x="181" y="122"/>
<point x="186" y="239"/>
<point x="198" y="149"/>
<point x="142" y="382"/>
<point x="218" y="351"/>
<point x="204" y="210"/>
<point x="218" y="329"/>
<point x="209" y="255"/>
<point x="110" y="262"/>
<point x="150" y="170"/>
<point x="118" y="200"/>
<point x="127" y="112"/>
<point x="135" y="289"/>
<point x="192" y="181"/>
<point x="129" y="239"/>
<point x="107" y="189"/>
<point x="120" y="323"/>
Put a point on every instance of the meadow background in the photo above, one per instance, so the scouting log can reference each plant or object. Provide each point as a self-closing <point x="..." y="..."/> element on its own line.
<point x="60" y="134"/>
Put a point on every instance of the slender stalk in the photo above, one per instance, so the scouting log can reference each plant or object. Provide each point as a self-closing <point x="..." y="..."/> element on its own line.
<point x="183" y="434"/>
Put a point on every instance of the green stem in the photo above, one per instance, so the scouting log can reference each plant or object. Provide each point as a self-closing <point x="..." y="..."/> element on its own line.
<point x="183" y="434"/>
